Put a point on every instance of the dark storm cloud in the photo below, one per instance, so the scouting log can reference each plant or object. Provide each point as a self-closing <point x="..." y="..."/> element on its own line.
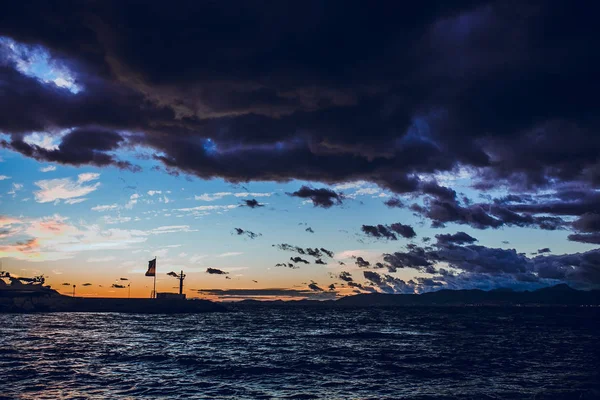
<point x="416" y="257"/>
<point x="361" y="262"/>
<point x="264" y="293"/>
<point x="117" y="286"/>
<point x="592" y="238"/>
<point x="389" y="231"/>
<point x="457" y="238"/>
<point x="289" y="247"/>
<point x="406" y="231"/>
<point x="78" y="147"/>
<point x="394" y="202"/>
<point x="544" y="250"/>
<point x="564" y="202"/>
<point x="473" y="266"/>
<point x="319" y="261"/>
<point x="286" y="91"/>
<point x="252" y="203"/>
<point x="329" y="253"/>
<point x="442" y="206"/>
<point x="322" y="197"/>
<point x="588" y="222"/>
<point x="249" y="234"/>
<point x="87" y="284"/>
<point x="215" y="271"/>
<point x="345" y="276"/>
<point x="287" y="265"/>
<point x="314" y="287"/>
<point x="299" y="260"/>
<point x="313" y="252"/>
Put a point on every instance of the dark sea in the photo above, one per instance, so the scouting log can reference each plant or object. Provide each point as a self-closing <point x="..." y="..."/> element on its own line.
<point x="304" y="353"/>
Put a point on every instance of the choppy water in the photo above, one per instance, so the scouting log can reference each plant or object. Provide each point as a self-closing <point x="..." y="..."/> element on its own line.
<point x="302" y="353"/>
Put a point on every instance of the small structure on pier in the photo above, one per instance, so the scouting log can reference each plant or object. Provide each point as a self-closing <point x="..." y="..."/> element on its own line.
<point x="181" y="295"/>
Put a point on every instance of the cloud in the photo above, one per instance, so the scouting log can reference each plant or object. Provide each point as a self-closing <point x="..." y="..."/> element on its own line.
<point x="230" y="254"/>
<point x="394" y="202"/>
<point x="49" y="168"/>
<point x="76" y="201"/>
<point x="15" y="187"/>
<point x="220" y="195"/>
<point x="287" y="265"/>
<point x="456" y="238"/>
<point x="204" y="210"/>
<point x="252" y="203"/>
<point x="115" y="220"/>
<point x="106" y="207"/>
<point x="249" y="234"/>
<point x="592" y="238"/>
<point x="117" y="286"/>
<point x="215" y="271"/>
<point x="81" y="146"/>
<point x="212" y="196"/>
<point x="313" y="252"/>
<point x="299" y="260"/>
<point x="133" y="199"/>
<point x="4" y="177"/>
<point x="56" y="238"/>
<point x="389" y="231"/>
<point x="345" y="276"/>
<point x="266" y="294"/>
<point x="171" y="229"/>
<point x="443" y="112"/>
<point x="362" y="263"/>
<point x="66" y="188"/>
<point x="322" y="197"/>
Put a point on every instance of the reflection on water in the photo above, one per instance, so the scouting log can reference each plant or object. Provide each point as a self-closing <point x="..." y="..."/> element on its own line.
<point x="303" y="353"/>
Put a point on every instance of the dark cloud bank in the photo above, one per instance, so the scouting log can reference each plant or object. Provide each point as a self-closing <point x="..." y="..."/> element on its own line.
<point x="455" y="262"/>
<point x="295" y="91"/>
<point x="389" y="93"/>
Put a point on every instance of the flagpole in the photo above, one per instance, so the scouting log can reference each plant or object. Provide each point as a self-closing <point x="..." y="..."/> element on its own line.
<point x="154" y="277"/>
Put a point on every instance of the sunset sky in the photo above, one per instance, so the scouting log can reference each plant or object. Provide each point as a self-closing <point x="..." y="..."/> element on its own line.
<point x="372" y="147"/>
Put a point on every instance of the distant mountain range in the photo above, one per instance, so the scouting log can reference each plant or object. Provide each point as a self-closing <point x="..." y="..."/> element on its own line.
<point x="556" y="295"/>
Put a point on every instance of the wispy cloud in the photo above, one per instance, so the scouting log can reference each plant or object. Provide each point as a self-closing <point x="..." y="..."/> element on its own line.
<point x="115" y="220"/>
<point x="230" y="254"/>
<point x="133" y="199"/>
<point x="49" y="168"/>
<point x="66" y="188"/>
<point x="4" y="177"/>
<point x="16" y="187"/>
<point x="75" y="201"/>
<point x="105" y="207"/>
<point x="171" y="229"/>
<point x="220" y="195"/>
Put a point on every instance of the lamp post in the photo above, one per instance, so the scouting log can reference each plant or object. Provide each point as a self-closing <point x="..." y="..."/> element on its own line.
<point x="74" y="286"/>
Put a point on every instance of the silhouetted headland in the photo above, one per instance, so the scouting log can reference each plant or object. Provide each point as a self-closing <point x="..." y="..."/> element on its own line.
<point x="559" y="295"/>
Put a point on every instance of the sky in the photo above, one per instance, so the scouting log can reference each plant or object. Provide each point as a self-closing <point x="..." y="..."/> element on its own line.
<point x="299" y="150"/>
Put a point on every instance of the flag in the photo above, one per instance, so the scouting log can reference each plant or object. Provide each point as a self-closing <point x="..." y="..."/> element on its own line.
<point x="151" y="268"/>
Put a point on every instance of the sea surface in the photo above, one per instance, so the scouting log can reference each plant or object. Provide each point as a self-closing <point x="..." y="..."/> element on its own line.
<point x="304" y="353"/>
